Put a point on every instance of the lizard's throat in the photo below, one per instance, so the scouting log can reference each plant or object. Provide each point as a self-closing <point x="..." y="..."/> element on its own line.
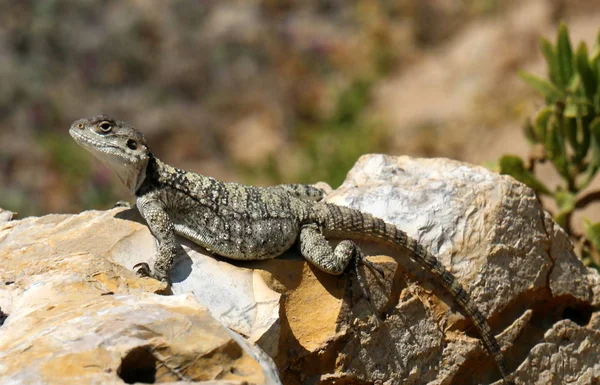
<point x="131" y="174"/>
<point x="133" y="178"/>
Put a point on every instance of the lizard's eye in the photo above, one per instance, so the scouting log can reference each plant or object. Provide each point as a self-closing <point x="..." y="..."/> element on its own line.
<point x="132" y="144"/>
<point x="105" y="127"/>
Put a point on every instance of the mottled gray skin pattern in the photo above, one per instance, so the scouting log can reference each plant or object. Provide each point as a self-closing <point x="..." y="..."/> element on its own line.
<point x="250" y="223"/>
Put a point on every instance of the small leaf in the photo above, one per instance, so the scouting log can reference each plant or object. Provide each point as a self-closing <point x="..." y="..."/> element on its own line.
<point x="492" y="165"/>
<point x="596" y="101"/>
<point x="551" y="60"/>
<point x="595" y="142"/>
<point x="540" y="123"/>
<point x="594" y="56"/>
<point x="574" y="83"/>
<point x="529" y="131"/>
<point x="566" y="204"/>
<point x="551" y="142"/>
<point x="571" y="131"/>
<point x="513" y="165"/>
<point x="594" y="164"/>
<point x="564" y="54"/>
<point x="592" y="232"/>
<point x="565" y="200"/>
<point x="583" y="133"/>
<point x="585" y="71"/>
<point x="555" y="146"/>
<point x="548" y="90"/>
<point x="571" y="110"/>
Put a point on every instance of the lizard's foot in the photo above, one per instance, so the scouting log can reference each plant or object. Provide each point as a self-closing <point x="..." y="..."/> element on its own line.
<point x="143" y="270"/>
<point x="361" y="282"/>
<point x="360" y="258"/>
<point x="123" y="204"/>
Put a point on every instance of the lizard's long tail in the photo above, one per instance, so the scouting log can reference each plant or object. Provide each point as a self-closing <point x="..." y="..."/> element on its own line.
<point x="342" y="221"/>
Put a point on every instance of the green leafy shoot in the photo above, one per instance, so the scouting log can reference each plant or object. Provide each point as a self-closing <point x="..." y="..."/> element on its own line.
<point x="566" y="131"/>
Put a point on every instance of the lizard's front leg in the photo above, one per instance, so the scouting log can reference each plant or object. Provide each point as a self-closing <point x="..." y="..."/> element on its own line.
<point x="163" y="230"/>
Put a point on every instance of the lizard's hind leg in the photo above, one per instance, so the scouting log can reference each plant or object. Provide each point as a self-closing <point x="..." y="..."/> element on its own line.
<point x="316" y="249"/>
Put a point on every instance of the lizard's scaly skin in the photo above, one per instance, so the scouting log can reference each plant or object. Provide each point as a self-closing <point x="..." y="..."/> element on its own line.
<point x="251" y="223"/>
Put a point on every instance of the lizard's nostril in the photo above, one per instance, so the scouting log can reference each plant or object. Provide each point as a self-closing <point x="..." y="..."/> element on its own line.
<point x="80" y="125"/>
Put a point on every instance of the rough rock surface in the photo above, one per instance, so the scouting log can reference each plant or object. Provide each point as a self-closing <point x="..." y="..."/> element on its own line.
<point x="77" y="317"/>
<point x="5" y="215"/>
<point x="76" y="310"/>
<point x="516" y="262"/>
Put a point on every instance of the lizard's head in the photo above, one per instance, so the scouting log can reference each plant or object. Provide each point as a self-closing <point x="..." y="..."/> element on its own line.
<point x="117" y="144"/>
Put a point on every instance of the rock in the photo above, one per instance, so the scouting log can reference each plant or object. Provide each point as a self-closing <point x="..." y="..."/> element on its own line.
<point x="237" y="296"/>
<point x="489" y="230"/>
<point x="61" y="337"/>
<point x="5" y="215"/>
<point x="493" y="235"/>
<point x="568" y="353"/>
<point x="76" y="316"/>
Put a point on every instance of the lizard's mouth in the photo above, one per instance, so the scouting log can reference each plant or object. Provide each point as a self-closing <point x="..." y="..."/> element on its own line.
<point x="86" y="140"/>
<point x="101" y="148"/>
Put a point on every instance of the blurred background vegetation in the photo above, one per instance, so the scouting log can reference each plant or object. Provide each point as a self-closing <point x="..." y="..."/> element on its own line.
<point x="266" y="92"/>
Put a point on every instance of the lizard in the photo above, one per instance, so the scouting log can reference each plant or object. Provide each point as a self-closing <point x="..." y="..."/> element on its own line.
<point x="243" y="222"/>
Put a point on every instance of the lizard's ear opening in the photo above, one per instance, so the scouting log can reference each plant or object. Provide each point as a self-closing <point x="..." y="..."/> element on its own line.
<point x="132" y="144"/>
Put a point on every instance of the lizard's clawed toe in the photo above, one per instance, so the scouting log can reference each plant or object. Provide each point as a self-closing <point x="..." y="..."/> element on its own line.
<point x="372" y="266"/>
<point x="123" y="204"/>
<point x="142" y="269"/>
<point x="378" y="269"/>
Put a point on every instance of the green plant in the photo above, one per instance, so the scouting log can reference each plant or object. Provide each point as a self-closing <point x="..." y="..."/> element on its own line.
<point x="566" y="132"/>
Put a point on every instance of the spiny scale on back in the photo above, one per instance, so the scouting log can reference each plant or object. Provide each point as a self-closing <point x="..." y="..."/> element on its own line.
<point x="247" y="222"/>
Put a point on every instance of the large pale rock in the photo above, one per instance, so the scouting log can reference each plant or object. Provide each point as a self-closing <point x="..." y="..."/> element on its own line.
<point x="489" y="230"/>
<point x="77" y="317"/>
<point x="5" y="215"/>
